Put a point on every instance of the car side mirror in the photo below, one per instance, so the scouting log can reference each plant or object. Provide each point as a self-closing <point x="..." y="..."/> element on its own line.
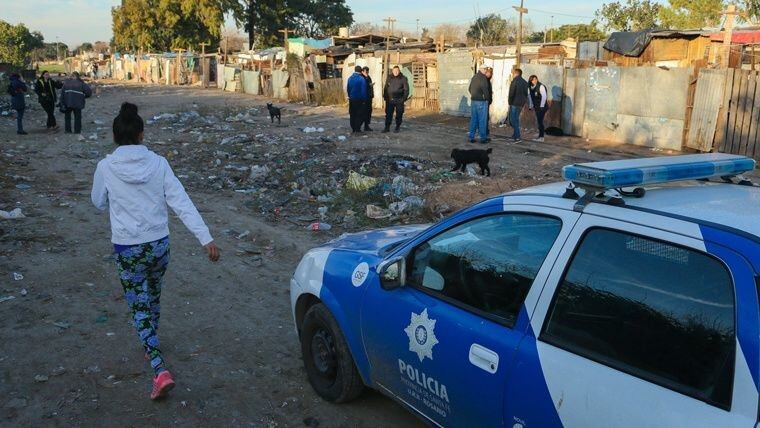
<point x="392" y="273"/>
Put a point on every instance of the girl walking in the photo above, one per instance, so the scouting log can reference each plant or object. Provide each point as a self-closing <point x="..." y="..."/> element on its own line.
<point x="137" y="185"/>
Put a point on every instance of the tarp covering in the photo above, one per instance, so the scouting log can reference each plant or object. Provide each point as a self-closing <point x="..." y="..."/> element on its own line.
<point x="280" y="84"/>
<point x="250" y="81"/>
<point x="628" y="43"/>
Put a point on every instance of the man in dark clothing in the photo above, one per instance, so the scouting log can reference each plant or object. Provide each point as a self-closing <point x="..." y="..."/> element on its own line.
<point x="16" y="90"/>
<point x="45" y="88"/>
<point x="518" y="96"/>
<point x="537" y="103"/>
<point x="73" y="95"/>
<point x="480" y="98"/>
<point x="395" y="93"/>
<point x="357" y="99"/>
<point x="370" y="97"/>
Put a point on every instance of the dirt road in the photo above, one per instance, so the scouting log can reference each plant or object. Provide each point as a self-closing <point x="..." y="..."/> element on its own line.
<point x="70" y="356"/>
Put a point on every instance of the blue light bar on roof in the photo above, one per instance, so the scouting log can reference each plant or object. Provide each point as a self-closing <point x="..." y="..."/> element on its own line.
<point x="638" y="172"/>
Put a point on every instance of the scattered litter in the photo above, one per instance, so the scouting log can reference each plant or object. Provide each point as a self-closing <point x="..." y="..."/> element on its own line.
<point x="259" y="171"/>
<point x="360" y="182"/>
<point x="58" y="371"/>
<point x="375" y="212"/>
<point x="40" y="378"/>
<point x="110" y="334"/>
<point x="24" y="292"/>
<point x="13" y="214"/>
<point x="164" y="116"/>
<point x="244" y="234"/>
<point x="403" y="186"/>
<point x="6" y="298"/>
<point x="341" y="138"/>
<point x="93" y="136"/>
<point x="17" y="276"/>
<point x="98" y="122"/>
<point x="61" y="324"/>
<point x="236" y="139"/>
<point x="92" y="369"/>
<point x="23" y="186"/>
<point x="317" y="226"/>
<point x="407" y="164"/>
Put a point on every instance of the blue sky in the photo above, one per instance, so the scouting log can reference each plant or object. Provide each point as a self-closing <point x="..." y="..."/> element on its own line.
<point x="77" y="21"/>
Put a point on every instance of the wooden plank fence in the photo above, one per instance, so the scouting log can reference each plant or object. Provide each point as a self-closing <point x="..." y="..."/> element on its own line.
<point x="739" y="116"/>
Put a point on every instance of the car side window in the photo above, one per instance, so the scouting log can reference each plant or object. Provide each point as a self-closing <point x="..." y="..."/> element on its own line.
<point x="487" y="264"/>
<point x="658" y="311"/>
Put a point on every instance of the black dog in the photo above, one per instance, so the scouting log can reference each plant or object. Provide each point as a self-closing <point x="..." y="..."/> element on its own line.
<point x="554" y="131"/>
<point x="274" y="112"/>
<point x="464" y="157"/>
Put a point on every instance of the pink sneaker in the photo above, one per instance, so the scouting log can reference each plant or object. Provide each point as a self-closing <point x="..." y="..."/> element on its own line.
<point x="162" y="384"/>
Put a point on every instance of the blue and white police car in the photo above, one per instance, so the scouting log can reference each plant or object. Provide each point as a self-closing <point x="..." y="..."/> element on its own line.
<point x="605" y="302"/>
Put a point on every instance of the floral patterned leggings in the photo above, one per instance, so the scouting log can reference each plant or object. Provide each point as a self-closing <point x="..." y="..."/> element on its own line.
<point x="141" y="271"/>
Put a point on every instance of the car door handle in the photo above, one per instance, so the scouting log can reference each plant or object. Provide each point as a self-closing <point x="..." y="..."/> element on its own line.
<point x="484" y="358"/>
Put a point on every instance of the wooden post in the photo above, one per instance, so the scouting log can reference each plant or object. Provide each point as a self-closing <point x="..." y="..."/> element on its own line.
<point x="390" y="21"/>
<point x="179" y="59"/>
<point x="727" y="35"/>
<point x="285" y="32"/>
<point x="520" y="10"/>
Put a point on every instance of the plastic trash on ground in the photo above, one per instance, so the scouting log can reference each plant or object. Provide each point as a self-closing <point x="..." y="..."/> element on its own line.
<point x="359" y="182"/>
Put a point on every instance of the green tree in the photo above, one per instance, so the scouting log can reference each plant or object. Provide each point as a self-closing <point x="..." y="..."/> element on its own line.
<point x="320" y="18"/>
<point x="752" y="9"/>
<point x="17" y="43"/>
<point x="633" y="15"/>
<point x="84" y="47"/>
<point x="167" y="24"/>
<point x="691" y="14"/>
<point x="580" y="32"/>
<point x="491" y="30"/>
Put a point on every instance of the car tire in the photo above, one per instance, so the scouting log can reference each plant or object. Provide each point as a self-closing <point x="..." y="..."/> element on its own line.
<point x="327" y="359"/>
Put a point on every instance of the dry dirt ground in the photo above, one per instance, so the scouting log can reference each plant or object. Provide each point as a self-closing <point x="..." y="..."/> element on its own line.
<point x="69" y="354"/>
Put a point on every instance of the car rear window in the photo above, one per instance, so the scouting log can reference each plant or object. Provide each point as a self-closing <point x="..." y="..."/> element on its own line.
<point x="658" y="311"/>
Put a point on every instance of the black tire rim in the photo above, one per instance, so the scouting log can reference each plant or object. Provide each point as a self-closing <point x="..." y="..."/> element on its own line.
<point x="324" y="355"/>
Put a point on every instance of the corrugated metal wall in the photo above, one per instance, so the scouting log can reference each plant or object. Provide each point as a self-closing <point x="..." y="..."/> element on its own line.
<point x="652" y="106"/>
<point x="455" y="69"/>
<point x="704" y="115"/>
<point x="602" y="92"/>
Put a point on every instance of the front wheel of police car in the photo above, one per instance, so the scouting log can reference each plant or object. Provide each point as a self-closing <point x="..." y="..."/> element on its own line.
<point x="329" y="365"/>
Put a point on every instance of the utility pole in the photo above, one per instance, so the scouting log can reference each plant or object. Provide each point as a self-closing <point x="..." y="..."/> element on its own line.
<point x="551" y="31"/>
<point x="390" y="21"/>
<point x="728" y="35"/>
<point x="285" y="32"/>
<point x="521" y="10"/>
<point x="57" y="50"/>
<point x="418" y="29"/>
<point x="203" y="48"/>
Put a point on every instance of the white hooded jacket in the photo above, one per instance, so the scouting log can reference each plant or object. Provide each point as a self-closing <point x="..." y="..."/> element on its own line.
<point x="137" y="185"/>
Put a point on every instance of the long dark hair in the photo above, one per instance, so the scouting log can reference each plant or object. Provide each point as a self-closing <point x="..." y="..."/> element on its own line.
<point x="128" y="125"/>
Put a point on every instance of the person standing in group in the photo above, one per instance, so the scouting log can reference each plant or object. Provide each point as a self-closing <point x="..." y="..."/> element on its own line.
<point x="537" y="102"/>
<point x="45" y="88"/>
<point x="395" y="94"/>
<point x="489" y="75"/>
<point x="370" y="97"/>
<point x="480" y="99"/>
<point x="136" y="186"/>
<point x="518" y="96"/>
<point x="16" y="89"/>
<point x="73" y="95"/>
<point x="357" y="99"/>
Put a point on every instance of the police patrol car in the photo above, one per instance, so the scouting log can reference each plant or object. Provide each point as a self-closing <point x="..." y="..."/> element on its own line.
<point x="594" y="303"/>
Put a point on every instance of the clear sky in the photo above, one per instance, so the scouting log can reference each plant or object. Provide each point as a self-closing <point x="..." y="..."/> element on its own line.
<point x="77" y="21"/>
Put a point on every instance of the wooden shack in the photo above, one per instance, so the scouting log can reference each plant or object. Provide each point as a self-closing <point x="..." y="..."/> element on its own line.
<point x="667" y="48"/>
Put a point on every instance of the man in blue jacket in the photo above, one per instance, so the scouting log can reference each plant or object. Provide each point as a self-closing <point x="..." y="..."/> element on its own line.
<point x="16" y="90"/>
<point x="73" y="95"/>
<point x="357" y="99"/>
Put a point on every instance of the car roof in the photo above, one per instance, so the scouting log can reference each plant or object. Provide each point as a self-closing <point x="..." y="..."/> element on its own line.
<point x="726" y="204"/>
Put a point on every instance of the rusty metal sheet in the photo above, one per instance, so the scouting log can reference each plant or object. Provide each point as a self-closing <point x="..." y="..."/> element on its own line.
<point x="455" y="69"/>
<point x="704" y="115"/>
